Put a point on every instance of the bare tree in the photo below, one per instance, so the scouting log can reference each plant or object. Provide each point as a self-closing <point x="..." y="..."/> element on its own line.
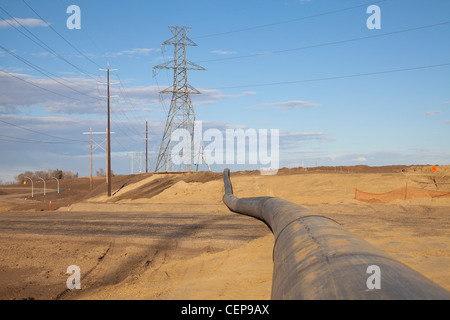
<point x="46" y="175"/>
<point x="100" y="172"/>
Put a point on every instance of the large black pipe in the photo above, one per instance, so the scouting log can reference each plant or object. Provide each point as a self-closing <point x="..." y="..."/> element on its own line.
<point x="315" y="258"/>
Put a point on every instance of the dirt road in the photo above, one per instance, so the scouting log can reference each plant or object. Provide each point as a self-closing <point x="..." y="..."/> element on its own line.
<point x="109" y="247"/>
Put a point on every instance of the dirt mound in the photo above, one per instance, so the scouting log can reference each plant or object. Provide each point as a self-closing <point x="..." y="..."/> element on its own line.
<point x="203" y="176"/>
<point x="440" y="170"/>
<point x="343" y="169"/>
<point x="325" y="185"/>
<point x="336" y="185"/>
<point x="148" y="190"/>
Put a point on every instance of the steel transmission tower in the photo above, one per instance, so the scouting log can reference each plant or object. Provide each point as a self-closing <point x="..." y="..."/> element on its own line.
<point x="181" y="113"/>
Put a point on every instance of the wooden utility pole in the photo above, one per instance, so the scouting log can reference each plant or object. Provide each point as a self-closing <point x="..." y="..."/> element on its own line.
<point x="93" y="148"/>
<point x="146" y="146"/>
<point x="108" y="144"/>
<point x="91" y="184"/>
<point x="108" y="135"/>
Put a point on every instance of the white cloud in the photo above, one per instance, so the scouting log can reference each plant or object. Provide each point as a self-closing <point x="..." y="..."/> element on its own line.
<point x="48" y="94"/>
<point x="28" y="22"/>
<point x="208" y="96"/>
<point x="163" y="58"/>
<point x="433" y="113"/>
<point x="304" y="135"/>
<point x="13" y="69"/>
<point x="18" y="95"/>
<point x="136" y="51"/>
<point x="350" y="157"/>
<point x="303" y="151"/>
<point x="334" y="156"/>
<point x="245" y="93"/>
<point x="223" y="52"/>
<point x="290" y="140"/>
<point x="288" y="105"/>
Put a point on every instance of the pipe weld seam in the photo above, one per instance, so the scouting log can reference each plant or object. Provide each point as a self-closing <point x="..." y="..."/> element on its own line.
<point x="289" y="223"/>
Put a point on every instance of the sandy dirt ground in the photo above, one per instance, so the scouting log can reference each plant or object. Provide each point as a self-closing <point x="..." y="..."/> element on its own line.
<point x="169" y="236"/>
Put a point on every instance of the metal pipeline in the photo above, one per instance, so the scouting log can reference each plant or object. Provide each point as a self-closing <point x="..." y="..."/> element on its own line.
<point x="316" y="258"/>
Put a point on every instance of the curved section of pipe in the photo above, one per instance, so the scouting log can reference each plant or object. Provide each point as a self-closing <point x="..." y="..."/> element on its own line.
<point x="315" y="258"/>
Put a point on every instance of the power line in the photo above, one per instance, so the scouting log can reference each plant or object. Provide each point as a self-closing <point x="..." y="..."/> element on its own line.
<point x="45" y="134"/>
<point x="336" y="77"/>
<point x="133" y="129"/>
<point x="122" y="114"/>
<point x="127" y="99"/>
<point x="24" y="140"/>
<point x="16" y="141"/>
<point x="118" y="124"/>
<point x="59" y="34"/>
<point x="155" y="73"/>
<point x="122" y="129"/>
<point x="45" y="89"/>
<point x="286" y="21"/>
<point x="124" y="93"/>
<point x="42" y="44"/>
<point x="37" y="86"/>
<point x="120" y="111"/>
<point x="44" y="72"/>
<point x="326" y="44"/>
<point x="117" y="140"/>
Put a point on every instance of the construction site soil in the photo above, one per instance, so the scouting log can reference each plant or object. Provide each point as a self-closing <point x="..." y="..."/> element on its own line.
<point x="169" y="235"/>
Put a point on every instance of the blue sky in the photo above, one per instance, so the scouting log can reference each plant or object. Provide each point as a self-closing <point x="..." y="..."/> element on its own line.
<point x="335" y="92"/>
